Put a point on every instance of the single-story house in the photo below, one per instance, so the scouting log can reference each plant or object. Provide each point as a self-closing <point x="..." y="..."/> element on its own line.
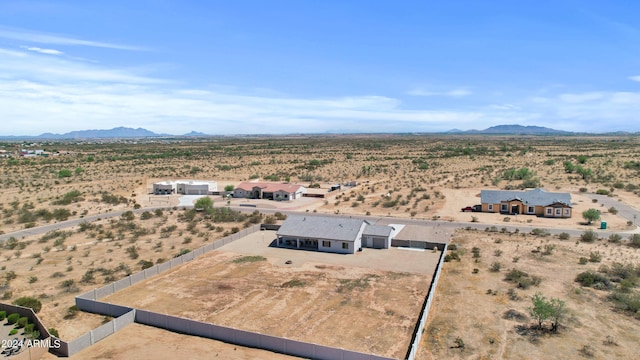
<point x="269" y="190"/>
<point x="185" y="187"/>
<point x="530" y="202"/>
<point x="334" y="234"/>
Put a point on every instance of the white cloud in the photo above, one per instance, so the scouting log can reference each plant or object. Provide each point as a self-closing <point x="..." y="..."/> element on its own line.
<point x="40" y="93"/>
<point x="582" y="97"/>
<point x="43" y="51"/>
<point x="56" y="39"/>
<point x="635" y="78"/>
<point x="459" y="92"/>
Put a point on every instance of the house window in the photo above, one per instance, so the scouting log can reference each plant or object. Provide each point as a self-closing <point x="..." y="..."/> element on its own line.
<point x="504" y="207"/>
<point x="567" y="212"/>
<point x="531" y="209"/>
<point x="345" y="245"/>
<point x="490" y="207"/>
<point x="549" y="211"/>
<point x="558" y="211"/>
<point x="326" y="243"/>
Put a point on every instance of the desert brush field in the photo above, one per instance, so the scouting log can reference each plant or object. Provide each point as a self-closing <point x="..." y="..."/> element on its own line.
<point x="419" y="177"/>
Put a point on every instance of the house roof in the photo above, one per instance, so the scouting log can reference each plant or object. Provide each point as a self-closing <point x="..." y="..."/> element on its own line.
<point x="321" y="227"/>
<point x="377" y="230"/>
<point x="535" y="197"/>
<point x="269" y="187"/>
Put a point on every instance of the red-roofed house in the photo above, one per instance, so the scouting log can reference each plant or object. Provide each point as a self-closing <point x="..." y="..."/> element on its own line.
<point x="268" y="190"/>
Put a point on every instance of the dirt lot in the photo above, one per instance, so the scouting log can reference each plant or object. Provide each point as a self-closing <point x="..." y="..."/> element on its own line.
<point x="328" y="299"/>
<point x="491" y="315"/>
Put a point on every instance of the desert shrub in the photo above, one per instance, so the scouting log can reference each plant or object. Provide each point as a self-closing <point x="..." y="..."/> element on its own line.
<point x="13" y="318"/>
<point x="615" y="238"/>
<point x="69" y="286"/>
<point x="29" y="328"/>
<point x="522" y="279"/>
<point x="613" y="210"/>
<point x="564" y="236"/>
<point x="602" y="192"/>
<point x="132" y="251"/>
<point x="72" y="312"/>
<point x="3" y="315"/>
<point x="145" y="264"/>
<point x="64" y="173"/>
<point x="627" y="301"/>
<point x="634" y="241"/>
<point x="583" y="260"/>
<point x="496" y="266"/>
<point x="13" y="331"/>
<point x="246" y="259"/>
<point x="589" y="236"/>
<point x="452" y="255"/>
<point x="22" y="321"/>
<point x="293" y="283"/>
<point x="595" y="256"/>
<point x="29" y="302"/>
<point x="68" y="198"/>
<point x="540" y="232"/>
<point x="590" y="279"/>
<point x="54" y="332"/>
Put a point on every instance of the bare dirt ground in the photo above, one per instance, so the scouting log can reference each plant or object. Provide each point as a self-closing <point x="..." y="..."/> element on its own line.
<point x="330" y="303"/>
<point x="479" y="309"/>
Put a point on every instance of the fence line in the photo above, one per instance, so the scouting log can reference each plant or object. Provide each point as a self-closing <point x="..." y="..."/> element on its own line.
<point x="417" y="332"/>
<point x="88" y="301"/>
<point x="249" y="338"/>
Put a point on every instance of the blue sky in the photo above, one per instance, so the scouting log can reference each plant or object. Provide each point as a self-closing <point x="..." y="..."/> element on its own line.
<point x="274" y="67"/>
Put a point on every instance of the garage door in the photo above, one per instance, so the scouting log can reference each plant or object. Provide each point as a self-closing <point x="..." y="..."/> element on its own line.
<point x="378" y="243"/>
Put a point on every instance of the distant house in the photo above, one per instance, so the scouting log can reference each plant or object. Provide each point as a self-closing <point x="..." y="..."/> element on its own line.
<point x="185" y="187"/>
<point x="531" y="202"/>
<point x="269" y="190"/>
<point x="332" y="234"/>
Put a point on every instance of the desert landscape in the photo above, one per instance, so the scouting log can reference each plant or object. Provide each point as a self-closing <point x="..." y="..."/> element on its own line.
<point x="428" y="178"/>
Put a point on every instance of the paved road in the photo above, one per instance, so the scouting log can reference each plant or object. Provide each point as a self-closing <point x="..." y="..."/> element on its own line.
<point x="624" y="210"/>
<point x="444" y="229"/>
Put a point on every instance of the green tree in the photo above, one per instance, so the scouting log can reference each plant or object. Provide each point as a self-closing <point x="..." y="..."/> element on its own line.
<point x="204" y="203"/>
<point x="584" y="172"/>
<point x="569" y="167"/>
<point x="229" y="188"/>
<point x="582" y="159"/>
<point x="591" y="215"/>
<point x="64" y="173"/>
<point x="540" y="308"/>
<point x="558" y="313"/>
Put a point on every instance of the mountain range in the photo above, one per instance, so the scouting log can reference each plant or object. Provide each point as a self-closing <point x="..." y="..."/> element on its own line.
<point x="131" y="133"/>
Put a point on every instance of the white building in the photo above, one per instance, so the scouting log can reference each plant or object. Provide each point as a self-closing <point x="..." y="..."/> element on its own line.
<point x="332" y="234"/>
<point x="185" y="187"/>
<point x="269" y="190"/>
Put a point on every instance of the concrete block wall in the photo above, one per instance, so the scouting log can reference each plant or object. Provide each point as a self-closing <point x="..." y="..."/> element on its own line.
<point x="422" y="320"/>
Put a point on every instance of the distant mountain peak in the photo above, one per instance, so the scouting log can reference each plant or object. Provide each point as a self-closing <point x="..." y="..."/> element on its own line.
<point x="513" y="129"/>
<point x="117" y="132"/>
